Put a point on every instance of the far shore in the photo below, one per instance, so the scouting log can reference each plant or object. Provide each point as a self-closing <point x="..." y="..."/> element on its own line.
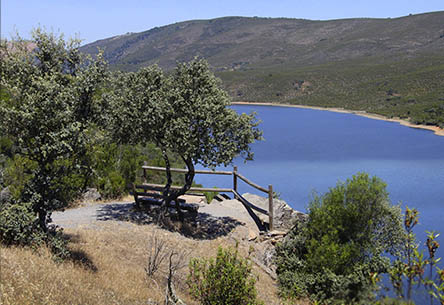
<point x="438" y="131"/>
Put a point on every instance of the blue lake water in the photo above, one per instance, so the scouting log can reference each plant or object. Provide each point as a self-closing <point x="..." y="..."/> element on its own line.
<point x="310" y="150"/>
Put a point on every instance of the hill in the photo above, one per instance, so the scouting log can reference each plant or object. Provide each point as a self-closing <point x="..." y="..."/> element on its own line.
<point x="393" y="67"/>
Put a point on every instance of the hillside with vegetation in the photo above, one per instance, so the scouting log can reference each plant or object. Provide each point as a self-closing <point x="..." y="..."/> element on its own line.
<point x="66" y="124"/>
<point x="393" y="66"/>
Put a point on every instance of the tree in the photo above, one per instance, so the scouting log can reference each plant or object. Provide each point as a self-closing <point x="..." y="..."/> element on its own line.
<point x="46" y="109"/>
<point x="339" y="252"/>
<point x="186" y="113"/>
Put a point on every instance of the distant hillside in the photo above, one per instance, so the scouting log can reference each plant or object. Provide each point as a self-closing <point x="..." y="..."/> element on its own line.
<point x="389" y="66"/>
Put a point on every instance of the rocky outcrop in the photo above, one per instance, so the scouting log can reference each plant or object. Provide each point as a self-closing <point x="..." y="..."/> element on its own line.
<point x="5" y="195"/>
<point x="284" y="215"/>
<point x="91" y="194"/>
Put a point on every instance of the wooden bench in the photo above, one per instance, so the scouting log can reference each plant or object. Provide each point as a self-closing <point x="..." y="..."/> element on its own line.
<point x="143" y="196"/>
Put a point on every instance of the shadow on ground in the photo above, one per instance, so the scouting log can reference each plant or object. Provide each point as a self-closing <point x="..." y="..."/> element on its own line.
<point x="200" y="226"/>
<point x="79" y="257"/>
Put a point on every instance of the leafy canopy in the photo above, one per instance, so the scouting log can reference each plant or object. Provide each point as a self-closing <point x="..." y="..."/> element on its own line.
<point x="185" y="113"/>
<point x="48" y="92"/>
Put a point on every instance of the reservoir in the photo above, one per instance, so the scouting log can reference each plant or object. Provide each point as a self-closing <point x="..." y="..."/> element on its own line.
<point x="308" y="151"/>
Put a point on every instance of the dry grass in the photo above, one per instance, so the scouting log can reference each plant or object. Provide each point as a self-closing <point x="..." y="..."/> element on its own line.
<point x="107" y="268"/>
<point x="81" y="202"/>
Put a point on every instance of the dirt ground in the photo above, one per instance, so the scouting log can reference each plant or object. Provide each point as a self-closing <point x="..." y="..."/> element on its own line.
<point x="224" y="223"/>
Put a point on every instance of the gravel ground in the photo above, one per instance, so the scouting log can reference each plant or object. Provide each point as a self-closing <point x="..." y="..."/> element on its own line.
<point x="219" y="217"/>
<point x="91" y="215"/>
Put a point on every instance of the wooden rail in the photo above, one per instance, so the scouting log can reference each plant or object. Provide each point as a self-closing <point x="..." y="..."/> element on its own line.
<point x="250" y="205"/>
<point x="235" y="174"/>
<point x="260" y="188"/>
<point x="182" y="170"/>
<point x="160" y="187"/>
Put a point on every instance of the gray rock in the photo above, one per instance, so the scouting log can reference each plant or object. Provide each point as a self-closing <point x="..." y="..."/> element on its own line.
<point x="284" y="216"/>
<point x="5" y="195"/>
<point x="91" y="194"/>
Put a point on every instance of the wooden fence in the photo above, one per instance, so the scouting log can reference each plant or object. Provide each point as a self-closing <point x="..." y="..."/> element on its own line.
<point x="249" y="206"/>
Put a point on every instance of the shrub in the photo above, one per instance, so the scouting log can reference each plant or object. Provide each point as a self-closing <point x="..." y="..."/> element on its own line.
<point x="411" y="267"/>
<point x="209" y="196"/>
<point x="19" y="226"/>
<point x="225" y="280"/>
<point x="335" y="255"/>
<point x="112" y="186"/>
<point x="116" y="167"/>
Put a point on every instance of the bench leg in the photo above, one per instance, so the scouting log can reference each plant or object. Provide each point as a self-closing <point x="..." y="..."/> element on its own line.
<point x="136" y="201"/>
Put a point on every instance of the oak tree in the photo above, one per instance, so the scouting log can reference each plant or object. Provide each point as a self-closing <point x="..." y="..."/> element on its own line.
<point x="46" y="109"/>
<point x="185" y="113"/>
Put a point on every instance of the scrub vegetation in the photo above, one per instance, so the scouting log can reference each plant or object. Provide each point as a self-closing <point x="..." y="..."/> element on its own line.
<point x="66" y="124"/>
<point x="352" y="236"/>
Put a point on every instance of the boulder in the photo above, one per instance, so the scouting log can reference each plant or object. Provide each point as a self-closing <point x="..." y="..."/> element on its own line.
<point x="91" y="194"/>
<point x="284" y="215"/>
<point x="5" y="195"/>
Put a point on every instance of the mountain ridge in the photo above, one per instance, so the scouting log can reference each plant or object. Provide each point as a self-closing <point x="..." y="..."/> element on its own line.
<point x="270" y="38"/>
<point x="389" y="66"/>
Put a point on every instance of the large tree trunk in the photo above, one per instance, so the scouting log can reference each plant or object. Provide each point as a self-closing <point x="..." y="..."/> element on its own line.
<point x="170" y="195"/>
<point x="189" y="176"/>
<point x="166" y="190"/>
<point x="42" y="219"/>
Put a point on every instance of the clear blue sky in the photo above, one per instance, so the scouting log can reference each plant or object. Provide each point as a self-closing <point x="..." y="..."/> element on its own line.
<point x="98" y="19"/>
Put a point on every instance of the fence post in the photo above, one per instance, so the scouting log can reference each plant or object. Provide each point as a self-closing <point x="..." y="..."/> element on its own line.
<point x="270" y="207"/>
<point x="235" y="179"/>
<point x="144" y="172"/>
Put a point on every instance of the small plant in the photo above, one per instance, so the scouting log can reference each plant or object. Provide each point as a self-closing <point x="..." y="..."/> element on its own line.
<point x="276" y="195"/>
<point x="225" y="280"/>
<point x="157" y="252"/>
<point x="209" y="196"/>
<point x="410" y="266"/>
<point x="429" y="283"/>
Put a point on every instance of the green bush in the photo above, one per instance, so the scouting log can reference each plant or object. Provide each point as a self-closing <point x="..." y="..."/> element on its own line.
<point x="209" y="196"/>
<point x="337" y="253"/>
<point x="112" y="186"/>
<point x="116" y="167"/>
<point x="226" y="280"/>
<point x="19" y="226"/>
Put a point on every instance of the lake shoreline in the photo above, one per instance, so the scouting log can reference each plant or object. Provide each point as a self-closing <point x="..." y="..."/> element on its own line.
<point x="438" y="131"/>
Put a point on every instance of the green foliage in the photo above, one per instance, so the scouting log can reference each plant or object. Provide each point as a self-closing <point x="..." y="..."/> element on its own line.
<point x="47" y="107"/>
<point x="16" y="175"/>
<point x="112" y="186"/>
<point x="337" y="254"/>
<point x="226" y="280"/>
<point x="211" y="133"/>
<point x="209" y="196"/>
<point x="183" y="114"/>
<point x="115" y="167"/>
<point x="19" y="226"/>
<point x="410" y="267"/>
